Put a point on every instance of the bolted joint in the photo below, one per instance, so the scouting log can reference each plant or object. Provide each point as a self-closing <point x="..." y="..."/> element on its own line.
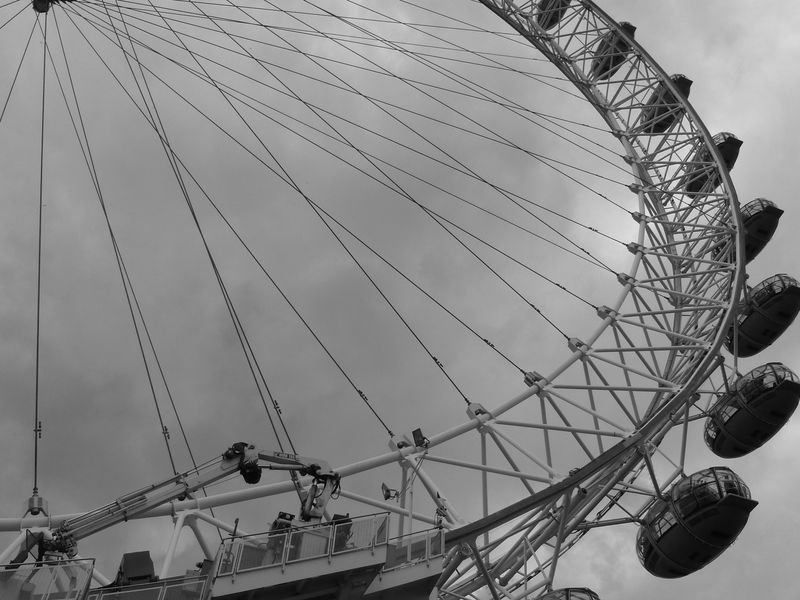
<point x="36" y="506"/>
<point x="475" y="410"/>
<point x="398" y="443"/>
<point x="575" y="345"/>
<point x="635" y="248"/>
<point x="638" y="217"/>
<point x="62" y="541"/>
<point x="533" y="378"/>
<point x="625" y="279"/>
<point x="605" y="312"/>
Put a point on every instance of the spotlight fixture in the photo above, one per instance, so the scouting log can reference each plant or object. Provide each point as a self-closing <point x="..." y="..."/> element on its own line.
<point x="420" y="441"/>
<point x="388" y="493"/>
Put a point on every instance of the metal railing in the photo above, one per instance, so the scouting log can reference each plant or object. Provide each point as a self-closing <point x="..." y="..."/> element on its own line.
<point x="296" y="544"/>
<point x="57" y="580"/>
<point x="192" y="587"/>
<point x="414" y="548"/>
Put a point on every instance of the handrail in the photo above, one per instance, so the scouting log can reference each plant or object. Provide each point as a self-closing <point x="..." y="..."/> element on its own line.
<point x="297" y="544"/>
<point x="409" y="549"/>
<point x="47" y="580"/>
<point x="193" y="587"/>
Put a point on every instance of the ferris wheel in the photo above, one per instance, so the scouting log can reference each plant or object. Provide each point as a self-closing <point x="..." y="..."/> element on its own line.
<point x="332" y="153"/>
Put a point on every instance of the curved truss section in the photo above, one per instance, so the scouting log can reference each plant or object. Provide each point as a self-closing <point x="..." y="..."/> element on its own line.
<point x="663" y="339"/>
<point x="637" y="375"/>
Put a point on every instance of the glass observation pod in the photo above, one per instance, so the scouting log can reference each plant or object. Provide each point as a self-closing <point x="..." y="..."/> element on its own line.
<point x="703" y="175"/>
<point x="662" y="109"/>
<point x="551" y="12"/>
<point x="753" y="411"/>
<point x="700" y="517"/>
<point x="774" y="304"/>
<point x="760" y="218"/>
<point x="571" y="594"/>
<point x="611" y="52"/>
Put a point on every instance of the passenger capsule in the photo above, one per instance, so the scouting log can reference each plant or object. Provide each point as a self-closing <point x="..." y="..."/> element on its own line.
<point x="551" y="12"/>
<point x="760" y="218"/>
<point x="703" y="174"/>
<point x="754" y="409"/>
<point x="663" y="109"/>
<point x="611" y="52"/>
<point x="773" y="305"/>
<point x="700" y="517"/>
<point x="571" y="594"/>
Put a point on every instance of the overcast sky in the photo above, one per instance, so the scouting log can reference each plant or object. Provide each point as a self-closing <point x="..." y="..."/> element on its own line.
<point x="101" y="438"/>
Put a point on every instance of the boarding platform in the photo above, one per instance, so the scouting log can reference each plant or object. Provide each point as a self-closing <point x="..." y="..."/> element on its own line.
<point x="336" y="559"/>
<point x="346" y="558"/>
<point x="413" y="565"/>
<point x="349" y="558"/>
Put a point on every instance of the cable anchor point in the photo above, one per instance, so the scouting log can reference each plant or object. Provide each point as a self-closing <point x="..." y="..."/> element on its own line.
<point x="36" y="505"/>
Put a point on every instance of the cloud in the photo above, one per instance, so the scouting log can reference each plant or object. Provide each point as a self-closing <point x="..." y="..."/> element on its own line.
<point x="101" y="435"/>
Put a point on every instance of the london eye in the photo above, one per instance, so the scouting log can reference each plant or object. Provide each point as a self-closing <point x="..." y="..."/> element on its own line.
<point x="471" y="280"/>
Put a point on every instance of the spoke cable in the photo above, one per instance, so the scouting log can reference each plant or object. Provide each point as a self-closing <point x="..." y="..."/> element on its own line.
<point x="543" y="159"/>
<point x="244" y="342"/>
<point x="274" y="283"/>
<point x="477" y="176"/>
<point x="384" y="44"/>
<point x="227" y="96"/>
<point x="507" y="103"/>
<point x="417" y="151"/>
<point x="417" y="286"/>
<point x="25" y="6"/>
<point x="16" y="73"/>
<point x="240" y="328"/>
<point x="430" y="213"/>
<point x="361" y="268"/>
<point x="130" y="294"/>
<point x="527" y="302"/>
<point x="37" y="425"/>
